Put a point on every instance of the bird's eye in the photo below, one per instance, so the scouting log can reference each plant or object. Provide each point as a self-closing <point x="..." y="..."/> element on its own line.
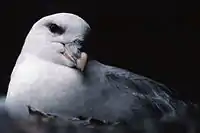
<point x="54" y="28"/>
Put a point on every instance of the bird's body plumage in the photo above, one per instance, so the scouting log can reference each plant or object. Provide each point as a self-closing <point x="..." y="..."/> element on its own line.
<point x="103" y="92"/>
<point x="43" y="80"/>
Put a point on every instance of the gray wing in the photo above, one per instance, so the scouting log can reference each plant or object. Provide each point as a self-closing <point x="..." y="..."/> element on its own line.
<point x="158" y="108"/>
<point x="156" y="97"/>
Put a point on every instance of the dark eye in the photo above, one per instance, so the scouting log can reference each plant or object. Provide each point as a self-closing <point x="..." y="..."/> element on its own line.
<point x="54" y="28"/>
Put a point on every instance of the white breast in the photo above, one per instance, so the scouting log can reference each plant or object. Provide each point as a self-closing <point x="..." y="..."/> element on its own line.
<point x="42" y="84"/>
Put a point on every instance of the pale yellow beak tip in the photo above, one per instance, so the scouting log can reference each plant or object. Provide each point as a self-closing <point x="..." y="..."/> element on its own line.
<point x="82" y="61"/>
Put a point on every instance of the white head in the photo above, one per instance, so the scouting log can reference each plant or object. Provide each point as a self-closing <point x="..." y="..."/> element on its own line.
<point x="58" y="38"/>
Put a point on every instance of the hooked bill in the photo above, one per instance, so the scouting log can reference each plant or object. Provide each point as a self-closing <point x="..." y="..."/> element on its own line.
<point x="81" y="62"/>
<point x="78" y="58"/>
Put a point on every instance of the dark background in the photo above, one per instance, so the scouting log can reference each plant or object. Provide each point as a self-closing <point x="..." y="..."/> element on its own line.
<point x="155" y="38"/>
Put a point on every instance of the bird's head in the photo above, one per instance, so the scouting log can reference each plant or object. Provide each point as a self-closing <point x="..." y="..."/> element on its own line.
<point x="59" y="38"/>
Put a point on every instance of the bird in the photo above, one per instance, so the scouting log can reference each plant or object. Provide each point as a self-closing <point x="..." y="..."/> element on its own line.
<point x="52" y="75"/>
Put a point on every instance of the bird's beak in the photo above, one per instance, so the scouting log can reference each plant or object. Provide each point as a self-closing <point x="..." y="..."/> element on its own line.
<point x="82" y="61"/>
<point x="73" y="54"/>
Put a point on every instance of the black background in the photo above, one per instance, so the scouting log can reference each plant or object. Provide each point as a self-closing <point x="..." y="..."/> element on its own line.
<point x="155" y="38"/>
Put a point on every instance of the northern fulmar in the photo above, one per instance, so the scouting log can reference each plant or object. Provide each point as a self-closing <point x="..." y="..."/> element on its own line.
<point x="53" y="75"/>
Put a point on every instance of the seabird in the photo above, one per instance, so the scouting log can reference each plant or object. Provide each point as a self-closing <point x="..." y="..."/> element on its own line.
<point x="54" y="76"/>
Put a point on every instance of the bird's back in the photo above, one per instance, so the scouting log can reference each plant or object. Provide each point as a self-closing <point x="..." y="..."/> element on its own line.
<point x="124" y="89"/>
<point x="136" y="99"/>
